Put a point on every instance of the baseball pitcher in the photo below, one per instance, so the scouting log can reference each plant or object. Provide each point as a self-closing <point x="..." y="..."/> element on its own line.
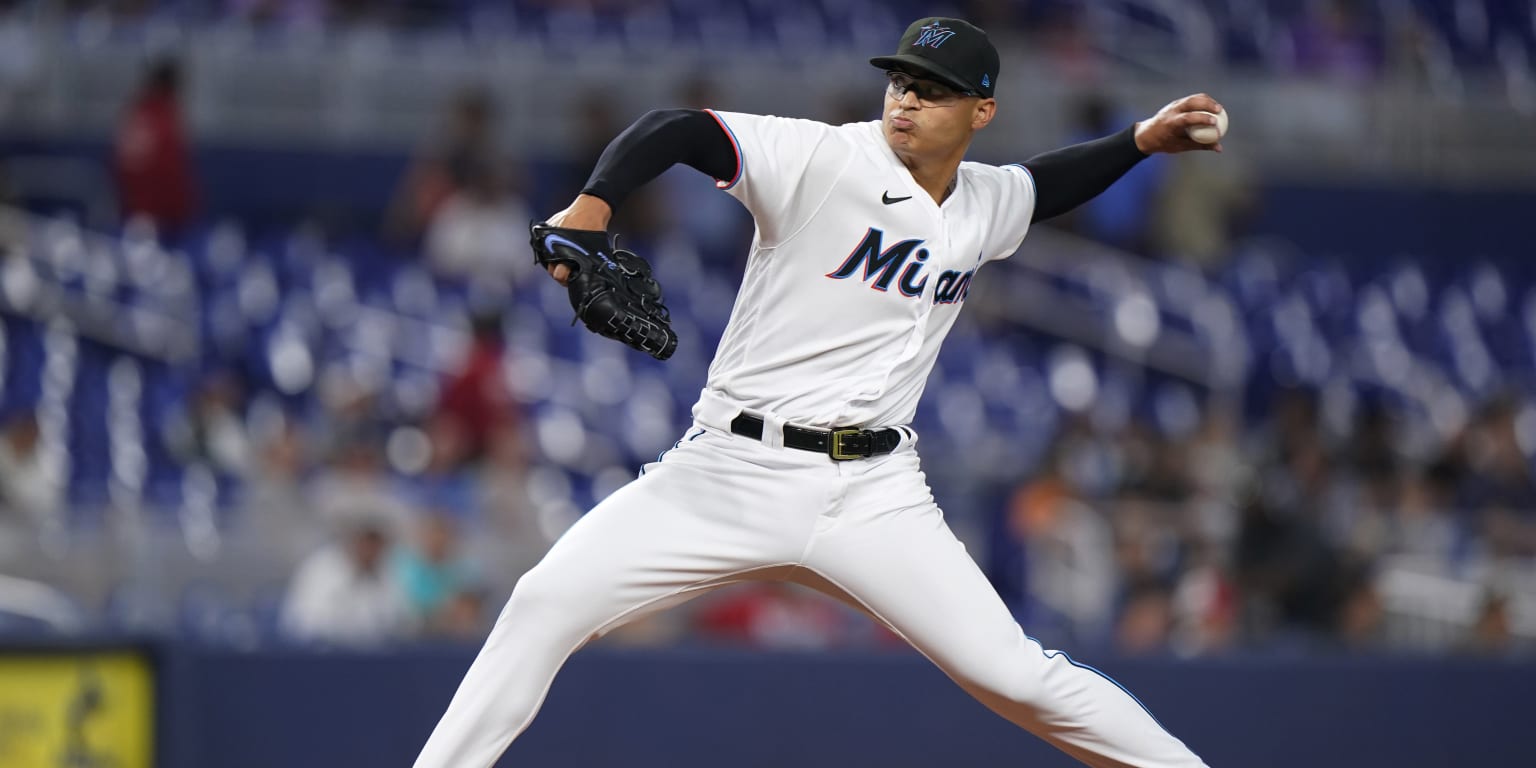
<point x="799" y="465"/>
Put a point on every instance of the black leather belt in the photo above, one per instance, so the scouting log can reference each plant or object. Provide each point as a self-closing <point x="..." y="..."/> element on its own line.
<point x="840" y="444"/>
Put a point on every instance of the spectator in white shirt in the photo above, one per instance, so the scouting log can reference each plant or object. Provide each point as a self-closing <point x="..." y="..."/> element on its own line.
<point x="344" y="595"/>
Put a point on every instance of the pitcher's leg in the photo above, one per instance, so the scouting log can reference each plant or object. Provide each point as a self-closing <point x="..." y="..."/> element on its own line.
<point x="551" y="614"/>
<point x="688" y="525"/>
<point x="907" y="568"/>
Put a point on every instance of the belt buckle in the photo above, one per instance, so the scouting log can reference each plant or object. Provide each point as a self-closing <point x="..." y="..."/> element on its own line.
<point x="835" y="444"/>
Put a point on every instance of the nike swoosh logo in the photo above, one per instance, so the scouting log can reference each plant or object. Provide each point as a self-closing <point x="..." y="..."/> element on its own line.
<point x="887" y="199"/>
<point x="550" y="240"/>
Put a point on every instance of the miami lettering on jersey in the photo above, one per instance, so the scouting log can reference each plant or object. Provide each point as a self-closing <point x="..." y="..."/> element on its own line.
<point x="881" y="265"/>
<point x="812" y="189"/>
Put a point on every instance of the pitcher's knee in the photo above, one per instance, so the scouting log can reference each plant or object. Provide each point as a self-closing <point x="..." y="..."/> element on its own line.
<point x="555" y="598"/>
<point x="536" y="594"/>
<point x="1010" y="678"/>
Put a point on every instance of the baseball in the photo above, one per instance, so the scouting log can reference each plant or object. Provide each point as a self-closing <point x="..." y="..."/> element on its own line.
<point x="1210" y="134"/>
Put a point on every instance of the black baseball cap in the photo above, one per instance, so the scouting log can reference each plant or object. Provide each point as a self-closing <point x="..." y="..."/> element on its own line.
<point x="951" y="51"/>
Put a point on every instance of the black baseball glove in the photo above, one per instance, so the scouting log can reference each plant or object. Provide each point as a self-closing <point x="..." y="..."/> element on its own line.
<point x="611" y="289"/>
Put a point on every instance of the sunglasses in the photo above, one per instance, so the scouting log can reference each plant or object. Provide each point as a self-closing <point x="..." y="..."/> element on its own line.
<point x="930" y="93"/>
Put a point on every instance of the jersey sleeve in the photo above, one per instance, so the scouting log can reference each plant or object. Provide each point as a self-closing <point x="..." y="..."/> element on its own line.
<point x="1013" y="202"/>
<point x="785" y="167"/>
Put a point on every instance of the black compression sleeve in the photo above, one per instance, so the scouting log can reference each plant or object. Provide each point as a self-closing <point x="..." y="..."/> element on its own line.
<point x="657" y="141"/>
<point x="1068" y="177"/>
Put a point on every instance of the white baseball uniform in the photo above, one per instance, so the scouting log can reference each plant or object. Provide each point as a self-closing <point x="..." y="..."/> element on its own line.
<point x="854" y="278"/>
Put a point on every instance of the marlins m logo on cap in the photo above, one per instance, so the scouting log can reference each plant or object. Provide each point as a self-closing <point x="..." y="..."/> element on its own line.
<point x="933" y="35"/>
<point x="966" y="61"/>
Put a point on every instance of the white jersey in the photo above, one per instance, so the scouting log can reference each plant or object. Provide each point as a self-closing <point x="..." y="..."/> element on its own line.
<point x="855" y="274"/>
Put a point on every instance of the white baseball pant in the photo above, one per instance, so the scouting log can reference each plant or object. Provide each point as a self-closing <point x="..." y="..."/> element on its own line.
<point x="721" y="508"/>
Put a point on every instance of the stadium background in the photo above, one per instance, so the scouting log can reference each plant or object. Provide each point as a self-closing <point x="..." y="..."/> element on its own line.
<point x="286" y="410"/>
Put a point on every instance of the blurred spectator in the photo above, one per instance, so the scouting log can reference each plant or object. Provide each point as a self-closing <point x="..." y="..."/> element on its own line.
<point x="431" y="13"/>
<point x="12" y="227"/>
<point x="1414" y="52"/>
<point x="1490" y="634"/>
<point x="1146" y="623"/>
<point x="122" y="10"/>
<point x="1120" y="215"/>
<point x="1373" y="456"/>
<point x="1065" y="36"/>
<point x="1288" y="572"/>
<point x="596" y="122"/>
<point x="463" y="618"/>
<point x="153" y="158"/>
<point x="448" y="480"/>
<point x="1148" y="544"/>
<point x="30" y="492"/>
<point x="1202" y="205"/>
<point x="1217" y="472"/>
<point x="475" y="408"/>
<point x="1511" y="532"/>
<point x="479" y="233"/>
<point x="434" y="574"/>
<point x="508" y="511"/>
<point x="1491" y="483"/>
<point x="300" y="13"/>
<point x="212" y="430"/>
<point x="343" y="595"/>
<point x="1166" y="475"/>
<point x="464" y="155"/>
<point x="1335" y="40"/>
<point x="1498" y="472"/>
<point x="1290" y="446"/>
<point x="1361" y="615"/>
<point x="461" y="195"/>
<point x="1068" y="549"/>
<point x="1205" y="604"/>
<point x="1419" y="523"/>
<point x="774" y="615"/>
<point x="1369" y="481"/>
<point x="275" y="511"/>
<point x="354" y="478"/>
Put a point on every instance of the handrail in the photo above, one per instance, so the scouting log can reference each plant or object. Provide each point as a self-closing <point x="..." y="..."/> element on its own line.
<point x="1026" y="292"/>
<point x="56" y="269"/>
<point x="39" y="601"/>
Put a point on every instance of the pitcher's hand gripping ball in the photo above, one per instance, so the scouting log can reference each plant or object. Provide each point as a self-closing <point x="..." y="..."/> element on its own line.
<point x="1210" y="134"/>
<point x="611" y="290"/>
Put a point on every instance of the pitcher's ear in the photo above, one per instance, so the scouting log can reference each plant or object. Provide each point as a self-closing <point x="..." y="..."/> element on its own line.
<point x="985" y="110"/>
